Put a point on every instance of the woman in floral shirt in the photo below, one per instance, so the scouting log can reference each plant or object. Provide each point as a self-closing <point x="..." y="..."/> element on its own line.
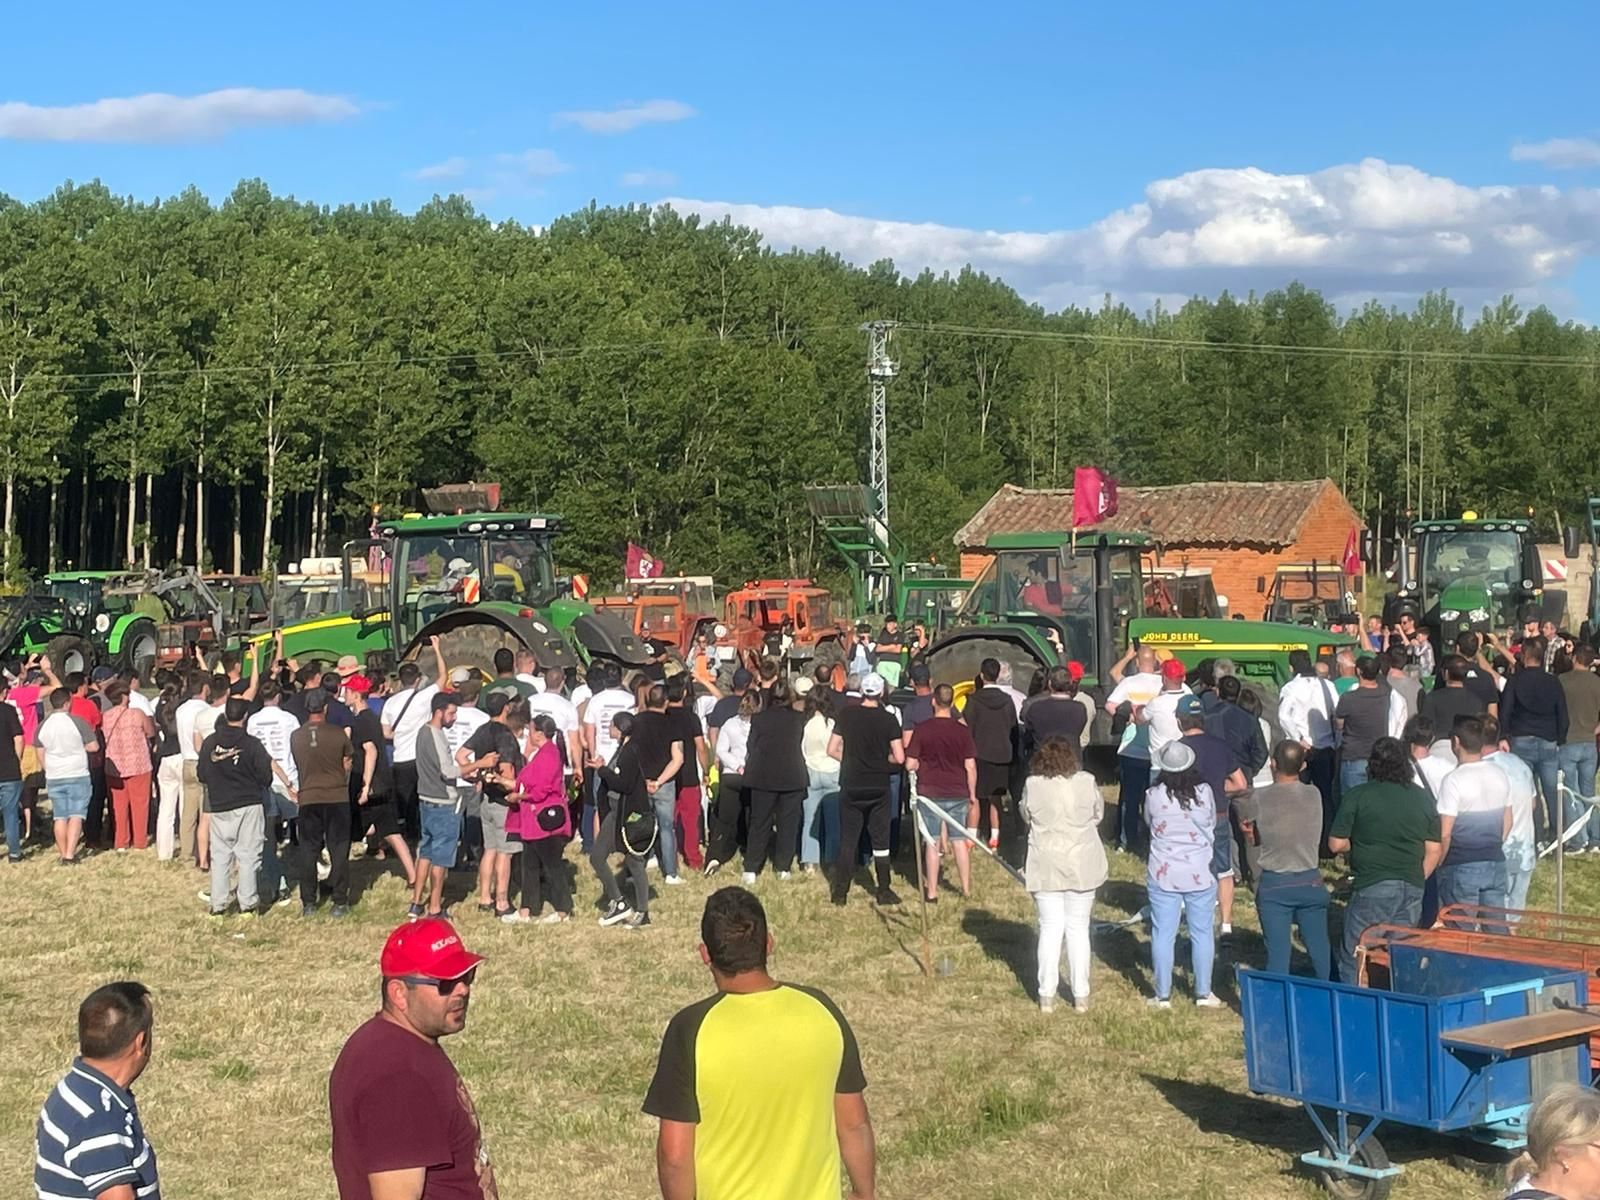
<point x="1182" y="820"/>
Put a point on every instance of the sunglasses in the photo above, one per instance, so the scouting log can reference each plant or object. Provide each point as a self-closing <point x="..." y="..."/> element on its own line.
<point x="444" y="986"/>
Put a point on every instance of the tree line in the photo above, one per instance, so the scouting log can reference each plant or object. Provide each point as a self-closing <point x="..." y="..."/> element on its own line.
<point x="246" y="383"/>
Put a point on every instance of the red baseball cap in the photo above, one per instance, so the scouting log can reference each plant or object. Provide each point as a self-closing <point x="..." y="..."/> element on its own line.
<point x="1075" y="671"/>
<point x="428" y="947"/>
<point x="1172" y="669"/>
<point x="359" y="684"/>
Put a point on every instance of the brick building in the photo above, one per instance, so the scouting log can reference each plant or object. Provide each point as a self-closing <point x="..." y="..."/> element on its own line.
<point x="1242" y="532"/>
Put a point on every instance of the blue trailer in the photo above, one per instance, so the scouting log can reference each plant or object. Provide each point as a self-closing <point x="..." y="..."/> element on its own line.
<point x="1458" y="1045"/>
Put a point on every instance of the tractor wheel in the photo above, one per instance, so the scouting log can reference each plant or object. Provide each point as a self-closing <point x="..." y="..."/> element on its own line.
<point x="69" y="653"/>
<point x="139" y="651"/>
<point x="959" y="662"/>
<point x="472" y="646"/>
<point x="828" y="654"/>
<point x="1358" y="1187"/>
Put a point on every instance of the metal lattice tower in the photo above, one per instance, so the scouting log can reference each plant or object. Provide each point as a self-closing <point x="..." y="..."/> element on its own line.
<point x="880" y="370"/>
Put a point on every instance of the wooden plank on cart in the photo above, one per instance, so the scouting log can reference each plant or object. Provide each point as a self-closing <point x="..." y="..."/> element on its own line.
<point x="1516" y="1035"/>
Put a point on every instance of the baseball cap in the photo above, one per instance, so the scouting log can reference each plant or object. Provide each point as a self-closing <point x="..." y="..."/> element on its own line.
<point x="742" y="678"/>
<point x="461" y="674"/>
<point x="359" y="684"/>
<point x="101" y="674"/>
<point x="347" y="665"/>
<point x="803" y="685"/>
<point x="1190" y="706"/>
<point x="872" y="685"/>
<point x="1075" y="671"/>
<point x="1172" y="669"/>
<point x="429" y="947"/>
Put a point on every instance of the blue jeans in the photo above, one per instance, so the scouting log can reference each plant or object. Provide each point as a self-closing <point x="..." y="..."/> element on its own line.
<point x="665" y="802"/>
<point x="1387" y="902"/>
<point x="1165" y="909"/>
<point x="11" y="812"/>
<point x="1544" y="761"/>
<point x="1287" y="898"/>
<point x="1133" y="776"/>
<point x="815" y="842"/>
<point x="1482" y="884"/>
<point x="1578" y="762"/>
<point x="1352" y="773"/>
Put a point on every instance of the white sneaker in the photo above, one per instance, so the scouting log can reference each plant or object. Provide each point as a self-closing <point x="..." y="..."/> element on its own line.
<point x="204" y="894"/>
<point x="1153" y="1002"/>
<point x="554" y="918"/>
<point x="652" y="866"/>
<point x="1208" y="1002"/>
<point x="1047" y="1004"/>
<point x="1081" y="1005"/>
<point x="785" y="875"/>
<point x="515" y="918"/>
<point x="712" y="868"/>
<point x="673" y="880"/>
<point x="747" y="877"/>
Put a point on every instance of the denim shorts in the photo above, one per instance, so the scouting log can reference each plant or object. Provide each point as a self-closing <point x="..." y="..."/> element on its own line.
<point x="69" y="798"/>
<point x="441" y="831"/>
<point x="931" y="825"/>
<point x="1222" y="848"/>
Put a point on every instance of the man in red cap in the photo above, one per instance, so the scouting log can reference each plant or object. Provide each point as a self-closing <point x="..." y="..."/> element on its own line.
<point x="1161" y="713"/>
<point x="404" y="1127"/>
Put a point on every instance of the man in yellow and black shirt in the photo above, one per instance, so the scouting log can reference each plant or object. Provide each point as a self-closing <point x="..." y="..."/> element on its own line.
<point x="758" y="1088"/>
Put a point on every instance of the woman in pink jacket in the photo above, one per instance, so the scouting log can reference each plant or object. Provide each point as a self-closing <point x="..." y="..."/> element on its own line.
<point x="542" y="820"/>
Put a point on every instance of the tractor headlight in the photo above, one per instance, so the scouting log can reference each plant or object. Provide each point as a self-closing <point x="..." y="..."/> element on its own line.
<point x="1478" y="614"/>
<point x="1450" y="614"/>
<point x="720" y="631"/>
<point x="102" y="623"/>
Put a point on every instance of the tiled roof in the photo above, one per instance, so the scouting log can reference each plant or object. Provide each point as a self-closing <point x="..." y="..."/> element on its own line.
<point x="1213" y="514"/>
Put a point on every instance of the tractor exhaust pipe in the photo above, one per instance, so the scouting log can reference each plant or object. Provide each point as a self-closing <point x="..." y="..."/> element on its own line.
<point x="1105" y="647"/>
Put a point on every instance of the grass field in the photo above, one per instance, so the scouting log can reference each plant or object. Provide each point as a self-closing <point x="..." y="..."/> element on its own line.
<point x="974" y="1093"/>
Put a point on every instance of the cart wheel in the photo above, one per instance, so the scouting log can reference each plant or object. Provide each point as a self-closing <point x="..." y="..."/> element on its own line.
<point x="1356" y="1187"/>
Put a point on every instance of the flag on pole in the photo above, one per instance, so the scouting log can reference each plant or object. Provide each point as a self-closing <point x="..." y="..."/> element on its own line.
<point x="1094" y="496"/>
<point x="1352" y="553"/>
<point x="642" y="564"/>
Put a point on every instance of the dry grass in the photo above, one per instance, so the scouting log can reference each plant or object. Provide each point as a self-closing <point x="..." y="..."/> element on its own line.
<point x="973" y="1092"/>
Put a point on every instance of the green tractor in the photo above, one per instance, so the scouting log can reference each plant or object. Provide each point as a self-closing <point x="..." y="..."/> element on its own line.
<point x="1469" y="576"/>
<point x="477" y="581"/>
<point x="110" y="619"/>
<point x="1047" y="598"/>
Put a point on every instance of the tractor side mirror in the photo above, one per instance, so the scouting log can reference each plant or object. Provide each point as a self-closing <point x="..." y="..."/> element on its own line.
<point x="1569" y="540"/>
<point x="563" y="585"/>
<point x="358" y="608"/>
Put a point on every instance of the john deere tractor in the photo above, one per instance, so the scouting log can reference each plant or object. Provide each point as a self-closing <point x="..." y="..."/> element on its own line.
<point x="1047" y="599"/>
<point x="1471" y="575"/>
<point x="477" y="581"/>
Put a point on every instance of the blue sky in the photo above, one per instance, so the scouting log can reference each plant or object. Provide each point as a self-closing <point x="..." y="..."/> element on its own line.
<point x="1148" y="152"/>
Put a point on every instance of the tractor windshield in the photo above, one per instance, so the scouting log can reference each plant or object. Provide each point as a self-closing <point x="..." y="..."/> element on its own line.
<point x="521" y="571"/>
<point x="1033" y="587"/>
<point x="1472" y="569"/>
<point x="436" y="573"/>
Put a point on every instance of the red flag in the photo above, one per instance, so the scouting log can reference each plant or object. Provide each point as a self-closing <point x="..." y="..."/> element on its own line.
<point x="1352" y="553"/>
<point x="642" y="564"/>
<point x="1094" y="496"/>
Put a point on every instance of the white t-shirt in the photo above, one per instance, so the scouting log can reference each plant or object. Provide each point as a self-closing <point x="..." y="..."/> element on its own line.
<point x="469" y="719"/>
<point x="1520" y="777"/>
<point x="536" y="682"/>
<point x="733" y="740"/>
<point x="560" y="710"/>
<point x="581" y="694"/>
<point x="603" y="706"/>
<point x="1161" y="717"/>
<point x="416" y="716"/>
<point x="1477" y="795"/>
<point x="62" y="738"/>
<point x="1137" y="690"/>
<point x="272" y="727"/>
<point x="184" y="720"/>
<point x="138" y="701"/>
<point x="205" y="723"/>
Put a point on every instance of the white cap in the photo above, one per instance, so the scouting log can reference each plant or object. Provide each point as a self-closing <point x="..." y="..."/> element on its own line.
<point x="803" y="685"/>
<point x="872" y="685"/>
<point x="461" y="674"/>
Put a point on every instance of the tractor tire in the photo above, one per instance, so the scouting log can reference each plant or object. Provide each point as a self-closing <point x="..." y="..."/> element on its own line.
<point x="958" y="662"/>
<point x="139" y="651"/>
<point x="470" y="646"/>
<point x="828" y="654"/>
<point x="68" y="653"/>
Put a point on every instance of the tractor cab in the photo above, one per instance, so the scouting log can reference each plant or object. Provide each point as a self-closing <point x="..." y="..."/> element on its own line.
<point x="1470" y="575"/>
<point x="1310" y="594"/>
<point x="776" y="617"/>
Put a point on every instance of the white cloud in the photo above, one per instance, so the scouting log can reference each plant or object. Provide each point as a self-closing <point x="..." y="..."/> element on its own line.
<point x="158" y="117"/>
<point x="451" y="168"/>
<point x="1353" y="231"/>
<point x="1559" y="152"/>
<point x="534" y="164"/>
<point x="626" y="117"/>
<point x="648" y="178"/>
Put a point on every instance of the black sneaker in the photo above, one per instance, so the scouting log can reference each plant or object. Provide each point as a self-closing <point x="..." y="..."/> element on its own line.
<point x="617" y="911"/>
<point x="308" y="910"/>
<point x="340" y="910"/>
<point x="887" y="897"/>
<point x="638" y="921"/>
<point x="839" y="899"/>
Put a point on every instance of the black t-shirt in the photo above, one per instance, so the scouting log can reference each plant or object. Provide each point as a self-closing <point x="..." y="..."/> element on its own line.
<point x="773" y="762"/>
<point x="1365" y="713"/>
<point x="1215" y="762"/>
<point x="1482" y="685"/>
<point x="919" y="710"/>
<point x="654" y="733"/>
<point x="868" y="733"/>
<point x="367" y="730"/>
<point x="1045" y="717"/>
<point x="723" y="711"/>
<point x="686" y="726"/>
<point x="10" y="731"/>
<point x="495" y="737"/>
<point x="1443" y="705"/>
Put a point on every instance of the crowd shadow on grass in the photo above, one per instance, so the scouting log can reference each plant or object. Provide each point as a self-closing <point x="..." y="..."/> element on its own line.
<point x="1005" y="941"/>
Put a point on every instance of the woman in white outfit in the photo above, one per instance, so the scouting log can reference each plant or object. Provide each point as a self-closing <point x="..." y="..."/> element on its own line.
<point x="1065" y="864"/>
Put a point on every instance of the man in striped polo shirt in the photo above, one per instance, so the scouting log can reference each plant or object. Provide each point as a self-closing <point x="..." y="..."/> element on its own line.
<point x="90" y="1142"/>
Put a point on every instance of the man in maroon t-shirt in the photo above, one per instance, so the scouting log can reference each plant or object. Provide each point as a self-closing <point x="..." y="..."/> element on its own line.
<point x="944" y="759"/>
<point x="403" y="1124"/>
